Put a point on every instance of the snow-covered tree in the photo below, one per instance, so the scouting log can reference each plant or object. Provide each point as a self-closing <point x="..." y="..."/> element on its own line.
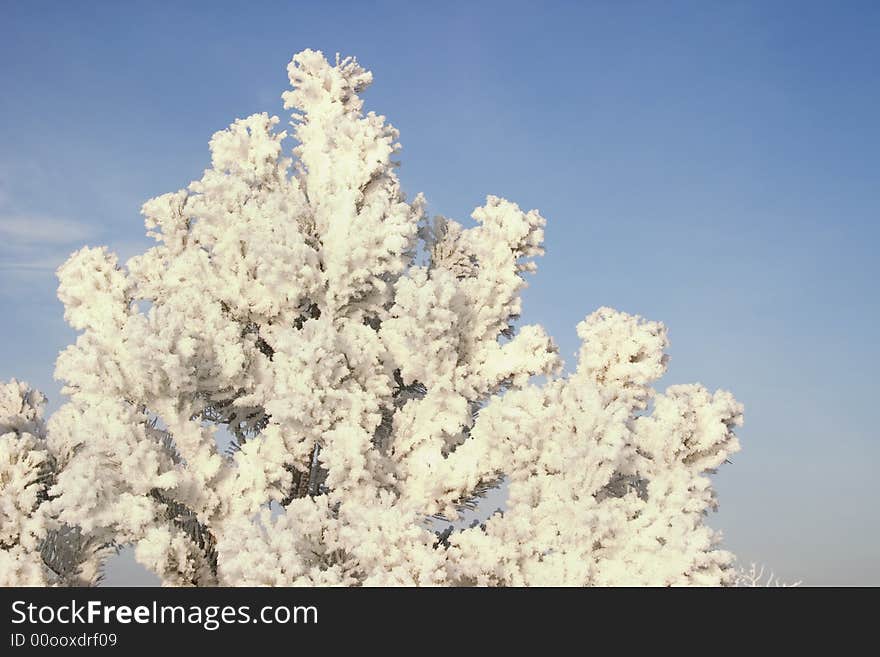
<point x="24" y="468"/>
<point x="35" y="549"/>
<point x="366" y="362"/>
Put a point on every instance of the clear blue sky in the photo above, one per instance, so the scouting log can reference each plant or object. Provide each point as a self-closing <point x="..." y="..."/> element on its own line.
<point x="713" y="165"/>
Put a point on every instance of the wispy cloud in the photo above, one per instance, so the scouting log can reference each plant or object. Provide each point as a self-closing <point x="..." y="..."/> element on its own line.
<point x="23" y="263"/>
<point x="24" y="230"/>
<point x="32" y="247"/>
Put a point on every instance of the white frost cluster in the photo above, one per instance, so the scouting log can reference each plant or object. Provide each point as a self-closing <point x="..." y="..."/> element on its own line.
<point x="23" y="464"/>
<point x="366" y="363"/>
<point x="36" y="549"/>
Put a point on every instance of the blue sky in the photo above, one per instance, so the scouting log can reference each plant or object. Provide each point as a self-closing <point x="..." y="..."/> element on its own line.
<point x="712" y="165"/>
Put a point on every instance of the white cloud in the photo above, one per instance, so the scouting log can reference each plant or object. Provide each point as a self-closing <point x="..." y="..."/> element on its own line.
<point x="34" y="230"/>
<point x="32" y="247"/>
<point x="49" y="262"/>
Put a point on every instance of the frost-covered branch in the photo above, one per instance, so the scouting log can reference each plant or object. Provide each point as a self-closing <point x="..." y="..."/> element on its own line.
<point x="35" y="548"/>
<point x="756" y="576"/>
